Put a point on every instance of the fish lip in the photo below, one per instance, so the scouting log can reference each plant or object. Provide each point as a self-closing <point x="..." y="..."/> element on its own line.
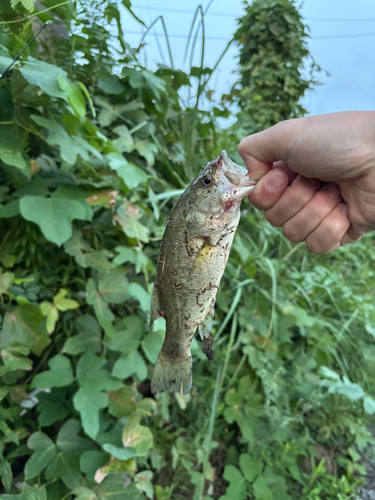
<point x="242" y="191"/>
<point x="236" y="174"/>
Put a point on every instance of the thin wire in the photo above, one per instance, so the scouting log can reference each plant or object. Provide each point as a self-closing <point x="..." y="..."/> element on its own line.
<point x="226" y="14"/>
<point x="26" y="46"/>
<point x="226" y="38"/>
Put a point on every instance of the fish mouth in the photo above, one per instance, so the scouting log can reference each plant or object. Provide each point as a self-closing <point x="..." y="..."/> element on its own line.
<point x="236" y="174"/>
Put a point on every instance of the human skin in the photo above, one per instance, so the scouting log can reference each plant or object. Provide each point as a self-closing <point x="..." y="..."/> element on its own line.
<point x="317" y="177"/>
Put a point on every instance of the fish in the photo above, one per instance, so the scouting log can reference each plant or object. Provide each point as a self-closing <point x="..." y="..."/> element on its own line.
<point x="193" y="255"/>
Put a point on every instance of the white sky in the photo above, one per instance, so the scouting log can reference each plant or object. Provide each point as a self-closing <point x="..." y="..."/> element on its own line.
<point x="349" y="60"/>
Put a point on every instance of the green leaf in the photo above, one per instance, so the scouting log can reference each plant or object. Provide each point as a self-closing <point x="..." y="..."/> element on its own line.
<point x="10" y="209"/>
<point x="113" y="286"/>
<point x="132" y="364"/>
<point x="88" y="402"/>
<point x="86" y="341"/>
<point x="23" y="325"/>
<point x="28" y="493"/>
<point x="152" y="343"/>
<point x="125" y="142"/>
<point x="250" y="468"/>
<point x="128" y="218"/>
<point x="83" y="493"/>
<point x="148" y="151"/>
<point x="68" y="439"/>
<point x="13" y="361"/>
<point x="45" y="451"/>
<point x="65" y="465"/>
<point x="143" y="482"/>
<point x="122" y="402"/>
<point x="12" y="157"/>
<point x="138" y="437"/>
<point x="90" y="373"/>
<point x="52" y="315"/>
<point x="75" y="96"/>
<point x="129" y="173"/>
<point x="133" y="255"/>
<point x="54" y="216"/>
<point x="120" y="453"/>
<point x="136" y="291"/>
<point x="43" y="75"/>
<point x="6" y="474"/>
<point x="102" y="311"/>
<point x="237" y="485"/>
<point x="59" y="375"/>
<point x="369" y="405"/>
<point x="62" y="303"/>
<point x="10" y="435"/>
<point x="110" y="85"/>
<point x="112" y="488"/>
<point x="91" y="461"/>
<point x="51" y="407"/>
<point x="127" y="335"/>
<point x="262" y="490"/>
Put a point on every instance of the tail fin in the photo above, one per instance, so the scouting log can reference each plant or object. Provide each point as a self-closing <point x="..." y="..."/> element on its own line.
<point x="171" y="375"/>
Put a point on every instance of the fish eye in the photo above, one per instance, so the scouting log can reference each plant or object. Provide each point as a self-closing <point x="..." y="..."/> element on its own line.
<point x="206" y="181"/>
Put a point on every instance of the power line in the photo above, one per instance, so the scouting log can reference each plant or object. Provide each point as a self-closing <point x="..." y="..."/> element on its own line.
<point x="226" y="38"/>
<point x="226" y="14"/>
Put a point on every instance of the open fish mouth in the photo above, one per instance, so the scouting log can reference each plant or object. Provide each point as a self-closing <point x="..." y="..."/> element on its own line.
<point x="236" y="174"/>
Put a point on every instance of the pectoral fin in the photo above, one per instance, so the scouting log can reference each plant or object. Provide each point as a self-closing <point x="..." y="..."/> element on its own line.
<point x="206" y="335"/>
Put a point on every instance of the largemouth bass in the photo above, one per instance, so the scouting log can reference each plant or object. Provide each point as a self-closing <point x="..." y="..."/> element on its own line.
<point x="193" y="254"/>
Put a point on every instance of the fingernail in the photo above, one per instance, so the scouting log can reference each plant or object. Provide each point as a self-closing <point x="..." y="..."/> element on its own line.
<point x="333" y="191"/>
<point x="276" y="181"/>
<point x="344" y="209"/>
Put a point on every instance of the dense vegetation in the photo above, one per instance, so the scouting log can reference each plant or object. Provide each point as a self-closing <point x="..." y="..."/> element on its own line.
<point x="94" y="149"/>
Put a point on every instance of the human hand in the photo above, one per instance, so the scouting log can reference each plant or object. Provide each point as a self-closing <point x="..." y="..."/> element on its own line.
<point x="317" y="177"/>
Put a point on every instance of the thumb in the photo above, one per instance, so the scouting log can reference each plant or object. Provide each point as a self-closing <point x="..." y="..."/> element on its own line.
<point x="260" y="150"/>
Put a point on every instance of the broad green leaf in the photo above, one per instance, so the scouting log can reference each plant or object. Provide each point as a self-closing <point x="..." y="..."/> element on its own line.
<point x="23" y="325"/>
<point x="137" y="292"/>
<point x="101" y="308"/>
<point x="28" y="493"/>
<point x="13" y="158"/>
<point x="113" y="488"/>
<point x="91" y="374"/>
<point x="50" y="412"/>
<point x="110" y="85"/>
<point x="250" y="468"/>
<point x="262" y="490"/>
<point x="10" y="434"/>
<point x="52" y="315"/>
<point x="125" y="142"/>
<point x="128" y="218"/>
<point x="122" y="402"/>
<point x="127" y="335"/>
<point x="75" y="96"/>
<point x="45" y="451"/>
<point x="86" y="341"/>
<point x="148" y="151"/>
<point x="152" y="343"/>
<point x="62" y="303"/>
<point x="10" y="209"/>
<point x="113" y="286"/>
<point x="76" y="247"/>
<point x="140" y="438"/>
<point x="237" y="484"/>
<point x="43" y="75"/>
<point x="129" y="173"/>
<point x="88" y="402"/>
<point x="369" y="405"/>
<point x="83" y="493"/>
<point x="133" y="255"/>
<point x="143" y="481"/>
<point x="65" y="465"/>
<point x="54" y="216"/>
<point x="91" y="461"/>
<point x="13" y="361"/>
<point x="129" y="365"/>
<point x="327" y="372"/>
<point x="6" y="281"/>
<point x="59" y="375"/>
<point x="120" y="453"/>
<point x="6" y="474"/>
<point x="68" y="439"/>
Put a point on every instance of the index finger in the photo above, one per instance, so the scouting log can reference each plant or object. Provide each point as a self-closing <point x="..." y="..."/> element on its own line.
<point x="259" y="151"/>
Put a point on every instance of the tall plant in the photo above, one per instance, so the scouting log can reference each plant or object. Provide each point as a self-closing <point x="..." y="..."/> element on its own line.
<point x="275" y="66"/>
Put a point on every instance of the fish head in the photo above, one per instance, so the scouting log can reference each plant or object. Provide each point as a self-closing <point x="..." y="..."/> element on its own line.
<point x="217" y="193"/>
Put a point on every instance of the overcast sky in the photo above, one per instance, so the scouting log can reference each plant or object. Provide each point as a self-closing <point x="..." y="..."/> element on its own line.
<point x="338" y="44"/>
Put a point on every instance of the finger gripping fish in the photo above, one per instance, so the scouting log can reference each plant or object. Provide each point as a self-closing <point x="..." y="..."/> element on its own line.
<point x="193" y="254"/>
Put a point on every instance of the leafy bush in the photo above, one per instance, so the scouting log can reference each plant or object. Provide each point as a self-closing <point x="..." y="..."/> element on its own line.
<point x="94" y="149"/>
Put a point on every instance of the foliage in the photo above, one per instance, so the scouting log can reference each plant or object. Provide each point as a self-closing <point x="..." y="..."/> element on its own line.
<point x="274" y="63"/>
<point x="94" y="149"/>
